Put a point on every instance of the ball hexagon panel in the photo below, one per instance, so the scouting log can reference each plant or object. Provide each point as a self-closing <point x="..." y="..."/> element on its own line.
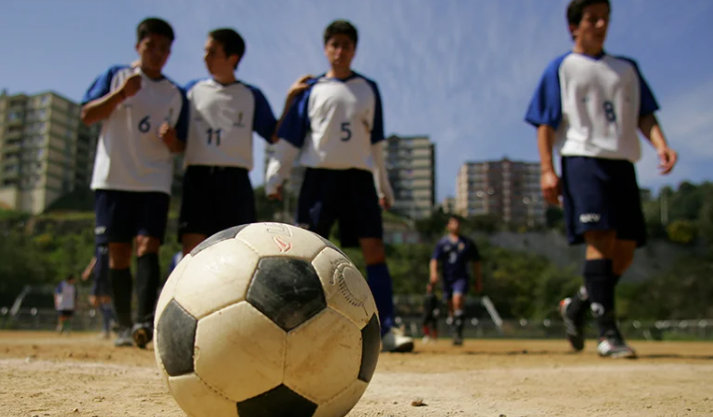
<point x="323" y="356"/>
<point x="287" y="290"/>
<point x="279" y="402"/>
<point x="345" y="288"/>
<point x="176" y="333"/>
<point x="370" y="348"/>
<point x="198" y="400"/>
<point x="278" y="239"/>
<point x="217" y="277"/>
<point x="218" y="237"/>
<point x="239" y="351"/>
<point x="340" y="405"/>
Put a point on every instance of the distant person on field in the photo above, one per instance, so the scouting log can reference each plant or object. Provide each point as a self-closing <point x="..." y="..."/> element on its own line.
<point x="65" y="302"/>
<point x="100" y="297"/>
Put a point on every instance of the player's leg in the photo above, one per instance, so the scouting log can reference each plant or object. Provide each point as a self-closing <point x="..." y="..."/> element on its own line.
<point x="101" y="288"/>
<point x="151" y="224"/>
<point x="67" y="324"/>
<point x="460" y="287"/>
<point x="114" y="224"/>
<point x="197" y="207"/>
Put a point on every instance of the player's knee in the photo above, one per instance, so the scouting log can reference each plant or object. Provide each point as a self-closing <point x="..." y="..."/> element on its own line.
<point x="119" y="255"/>
<point x="146" y="245"/>
<point x="600" y="243"/>
<point x="622" y="262"/>
<point x="373" y="250"/>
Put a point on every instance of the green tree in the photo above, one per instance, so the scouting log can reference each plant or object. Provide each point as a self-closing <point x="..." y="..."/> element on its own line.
<point x="682" y="232"/>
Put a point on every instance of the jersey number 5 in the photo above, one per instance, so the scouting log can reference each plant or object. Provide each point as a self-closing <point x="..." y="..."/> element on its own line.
<point x="347" y="131"/>
<point x="210" y="133"/>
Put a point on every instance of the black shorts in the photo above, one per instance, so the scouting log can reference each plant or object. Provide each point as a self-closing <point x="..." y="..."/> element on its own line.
<point x="101" y="286"/>
<point x="215" y="199"/>
<point x="123" y="215"/>
<point x="601" y="194"/>
<point x="66" y="313"/>
<point x="349" y="196"/>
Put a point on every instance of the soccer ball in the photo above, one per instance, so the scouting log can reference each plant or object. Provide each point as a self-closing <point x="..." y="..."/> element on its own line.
<point x="266" y="319"/>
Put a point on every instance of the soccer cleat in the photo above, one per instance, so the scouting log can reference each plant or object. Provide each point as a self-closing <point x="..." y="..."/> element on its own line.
<point x="457" y="340"/>
<point x="573" y="325"/>
<point x="142" y="334"/>
<point x="395" y="341"/>
<point x="612" y="346"/>
<point x="123" y="338"/>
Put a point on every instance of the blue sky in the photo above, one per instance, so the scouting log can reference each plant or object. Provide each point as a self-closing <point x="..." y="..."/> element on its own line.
<point x="461" y="72"/>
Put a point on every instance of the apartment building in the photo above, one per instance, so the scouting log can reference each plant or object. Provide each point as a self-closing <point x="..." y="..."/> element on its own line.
<point x="508" y="189"/>
<point x="411" y="169"/>
<point x="45" y="151"/>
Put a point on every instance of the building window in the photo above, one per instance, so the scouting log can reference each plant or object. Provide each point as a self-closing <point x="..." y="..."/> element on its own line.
<point x="45" y="99"/>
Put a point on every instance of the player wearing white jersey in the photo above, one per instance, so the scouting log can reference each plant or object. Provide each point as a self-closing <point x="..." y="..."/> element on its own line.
<point x="65" y="302"/>
<point x="224" y="113"/>
<point x="144" y="121"/>
<point x="590" y="105"/>
<point x="337" y="126"/>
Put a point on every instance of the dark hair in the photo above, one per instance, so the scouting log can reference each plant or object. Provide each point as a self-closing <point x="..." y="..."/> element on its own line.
<point x="455" y="217"/>
<point x="154" y="26"/>
<point x="341" y="27"/>
<point x="575" y="10"/>
<point x="233" y="43"/>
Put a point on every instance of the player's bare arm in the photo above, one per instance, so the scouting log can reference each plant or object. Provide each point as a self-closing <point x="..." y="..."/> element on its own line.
<point x="168" y="134"/>
<point x="650" y="128"/>
<point x="433" y="266"/>
<point x="100" y="109"/>
<point x="88" y="270"/>
<point x="549" y="181"/>
<point x="297" y="87"/>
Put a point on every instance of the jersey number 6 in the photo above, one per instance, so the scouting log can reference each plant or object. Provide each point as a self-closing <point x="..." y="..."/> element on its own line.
<point x="144" y="125"/>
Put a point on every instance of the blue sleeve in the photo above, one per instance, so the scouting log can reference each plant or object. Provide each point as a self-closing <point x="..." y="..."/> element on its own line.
<point x="101" y="85"/>
<point x="182" y="123"/>
<point x="647" y="103"/>
<point x="295" y="125"/>
<point x="264" y="121"/>
<point x="437" y="251"/>
<point x="58" y="288"/>
<point x="377" y="130"/>
<point x="546" y="104"/>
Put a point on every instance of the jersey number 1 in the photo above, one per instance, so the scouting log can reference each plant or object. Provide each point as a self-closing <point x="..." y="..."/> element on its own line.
<point x="210" y="133"/>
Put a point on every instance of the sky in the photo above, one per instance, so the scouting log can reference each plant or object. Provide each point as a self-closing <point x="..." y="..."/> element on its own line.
<point x="460" y="71"/>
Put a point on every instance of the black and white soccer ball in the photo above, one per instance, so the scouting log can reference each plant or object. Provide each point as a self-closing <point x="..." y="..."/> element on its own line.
<point x="266" y="319"/>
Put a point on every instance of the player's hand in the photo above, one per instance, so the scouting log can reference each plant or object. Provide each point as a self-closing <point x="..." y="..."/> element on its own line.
<point x="550" y="185"/>
<point x="85" y="275"/>
<point x="299" y="85"/>
<point x="131" y="86"/>
<point x="136" y="63"/>
<point x="667" y="159"/>
<point x="429" y="288"/>
<point x="434" y="279"/>
<point x="277" y="195"/>
<point x="384" y="203"/>
<point x="168" y="136"/>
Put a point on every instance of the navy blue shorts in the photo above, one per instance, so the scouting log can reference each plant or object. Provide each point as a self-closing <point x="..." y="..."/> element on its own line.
<point x="348" y="196"/>
<point x="101" y="286"/>
<point x="454" y="286"/>
<point x="215" y="199"/>
<point x="601" y="194"/>
<point x="123" y="215"/>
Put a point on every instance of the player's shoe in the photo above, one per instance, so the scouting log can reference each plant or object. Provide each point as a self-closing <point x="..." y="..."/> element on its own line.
<point x="142" y="333"/>
<point x="426" y="339"/>
<point x="395" y="341"/>
<point x="457" y="340"/>
<point x="613" y="346"/>
<point x="573" y="325"/>
<point x="123" y="337"/>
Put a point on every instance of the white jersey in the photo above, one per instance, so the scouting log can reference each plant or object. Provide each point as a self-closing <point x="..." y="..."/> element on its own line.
<point x="66" y="296"/>
<point x="335" y="123"/>
<point x="594" y="105"/>
<point x="130" y="154"/>
<point x="221" y="123"/>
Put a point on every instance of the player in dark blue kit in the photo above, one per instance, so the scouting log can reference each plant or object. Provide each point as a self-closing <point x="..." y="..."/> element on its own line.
<point x="337" y="129"/>
<point x="590" y="104"/>
<point x="454" y="252"/>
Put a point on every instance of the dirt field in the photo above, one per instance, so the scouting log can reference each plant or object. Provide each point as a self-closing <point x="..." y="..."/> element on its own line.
<point x="42" y="374"/>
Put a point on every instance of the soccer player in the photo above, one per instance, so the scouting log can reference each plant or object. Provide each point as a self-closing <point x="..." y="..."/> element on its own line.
<point x="100" y="296"/>
<point x="224" y="113"/>
<point x="431" y="313"/>
<point x="65" y="302"/>
<point x="454" y="252"/>
<point x="337" y="126"/>
<point x="589" y="104"/>
<point x="144" y="122"/>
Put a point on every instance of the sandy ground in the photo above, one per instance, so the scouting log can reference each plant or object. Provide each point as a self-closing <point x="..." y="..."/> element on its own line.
<point x="42" y="374"/>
